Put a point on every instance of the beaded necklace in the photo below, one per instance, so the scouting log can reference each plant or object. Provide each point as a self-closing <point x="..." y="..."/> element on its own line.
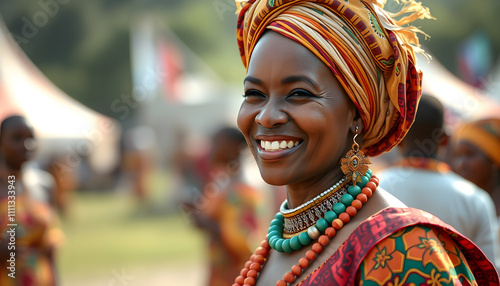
<point x="324" y="230"/>
<point x="301" y="218"/>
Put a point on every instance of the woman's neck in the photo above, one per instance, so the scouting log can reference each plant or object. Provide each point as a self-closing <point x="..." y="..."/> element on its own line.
<point x="302" y="192"/>
<point x="6" y="171"/>
<point x="6" y="174"/>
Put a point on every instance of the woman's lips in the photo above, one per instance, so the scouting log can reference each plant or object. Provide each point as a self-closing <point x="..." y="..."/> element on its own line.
<point x="270" y="150"/>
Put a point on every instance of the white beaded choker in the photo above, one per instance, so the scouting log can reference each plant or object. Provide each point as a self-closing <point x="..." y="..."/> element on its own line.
<point x="284" y="206"/>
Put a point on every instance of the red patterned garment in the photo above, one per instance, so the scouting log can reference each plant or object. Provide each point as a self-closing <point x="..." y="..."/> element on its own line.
<point x="236" y="213"/>
<point x="405" y="246"/>
<point x="36" y="236"/>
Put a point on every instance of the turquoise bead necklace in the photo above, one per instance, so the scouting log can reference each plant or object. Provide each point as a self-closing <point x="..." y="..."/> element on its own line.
<point x="304" y="238"/>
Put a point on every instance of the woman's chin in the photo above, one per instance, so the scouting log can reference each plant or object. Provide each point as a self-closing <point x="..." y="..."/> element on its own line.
<point x="273" y="178"/>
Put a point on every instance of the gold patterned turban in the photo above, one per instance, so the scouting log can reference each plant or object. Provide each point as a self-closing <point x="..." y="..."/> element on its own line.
<point x="371" y="54"/>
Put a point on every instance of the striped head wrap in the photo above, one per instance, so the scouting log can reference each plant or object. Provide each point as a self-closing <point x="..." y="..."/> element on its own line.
<point x="369" y="52"/>
<point x="484" y="134"/>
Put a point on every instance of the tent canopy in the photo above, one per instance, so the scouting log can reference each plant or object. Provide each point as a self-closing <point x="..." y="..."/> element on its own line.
<point x="61" y="123"/>
<point x="464" y="102"/>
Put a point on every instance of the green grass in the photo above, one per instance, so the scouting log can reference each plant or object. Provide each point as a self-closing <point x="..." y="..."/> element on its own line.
<point x="107" y="231"/>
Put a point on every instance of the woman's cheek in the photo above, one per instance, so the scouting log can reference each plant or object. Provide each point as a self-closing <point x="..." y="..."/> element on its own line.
<point x="245" y="120"/>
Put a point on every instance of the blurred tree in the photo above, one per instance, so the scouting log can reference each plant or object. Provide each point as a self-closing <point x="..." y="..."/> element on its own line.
<point x="83" y="46"/>
<point x="456" y="21"/>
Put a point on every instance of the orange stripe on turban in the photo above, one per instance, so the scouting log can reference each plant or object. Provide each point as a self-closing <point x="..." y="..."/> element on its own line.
<point x="484" y="134"/>
<point x="371" y="55"/>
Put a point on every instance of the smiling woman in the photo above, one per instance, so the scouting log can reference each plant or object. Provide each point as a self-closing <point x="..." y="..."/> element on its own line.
<point x="328" y="82"/>
<point x="294" y="97"/>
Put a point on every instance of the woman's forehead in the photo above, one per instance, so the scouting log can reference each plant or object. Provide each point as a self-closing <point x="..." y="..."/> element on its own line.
<point x="16" y="126"/>
<point x="277" y="52"/>
<point x="276" y="46"/>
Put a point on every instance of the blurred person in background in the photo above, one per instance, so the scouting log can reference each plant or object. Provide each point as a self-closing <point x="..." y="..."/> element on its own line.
<point x="36" y="234"/>
<point x="475" y="155"/>
<point x="66" y="182"/>
<point x="40" y="183"/>
<point x="191" y="166"/>
<point x="136" y="166"/>
<point x="227" y="209"/>
<point x="430" y="184"/>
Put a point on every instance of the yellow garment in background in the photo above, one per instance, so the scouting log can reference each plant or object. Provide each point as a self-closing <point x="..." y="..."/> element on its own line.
<point x="485" y="135"/>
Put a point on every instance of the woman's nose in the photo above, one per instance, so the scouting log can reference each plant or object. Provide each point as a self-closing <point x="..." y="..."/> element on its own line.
<point x="271" y="115"/>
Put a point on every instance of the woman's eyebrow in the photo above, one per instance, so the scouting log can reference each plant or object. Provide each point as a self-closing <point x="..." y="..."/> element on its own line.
<point x="252" y="80"/>
<point x="298" y="78"/>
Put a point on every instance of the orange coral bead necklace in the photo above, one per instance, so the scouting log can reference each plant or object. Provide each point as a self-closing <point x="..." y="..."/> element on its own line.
<point x="249" y="274"/>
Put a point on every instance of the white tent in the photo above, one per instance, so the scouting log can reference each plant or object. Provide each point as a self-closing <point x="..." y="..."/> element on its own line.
<point x="62" y="125"/>
<point x="463" y="101"/>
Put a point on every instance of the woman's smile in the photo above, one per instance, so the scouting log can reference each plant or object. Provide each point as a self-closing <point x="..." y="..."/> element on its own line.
<point x="276" y="147"/>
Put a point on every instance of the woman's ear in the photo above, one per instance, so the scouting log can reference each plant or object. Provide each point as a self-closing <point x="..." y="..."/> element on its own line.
<point x="357" y="122"/>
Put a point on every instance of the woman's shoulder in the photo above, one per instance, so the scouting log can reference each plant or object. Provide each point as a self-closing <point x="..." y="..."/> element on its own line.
<point x="416" y="255"/>
<point x="382" y="199"/>
<point x="394" y="241"/>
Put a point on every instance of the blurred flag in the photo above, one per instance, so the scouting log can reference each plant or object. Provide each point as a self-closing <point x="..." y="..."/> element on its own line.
<point x="475" y="58"/>
<point x="171" y="59"/>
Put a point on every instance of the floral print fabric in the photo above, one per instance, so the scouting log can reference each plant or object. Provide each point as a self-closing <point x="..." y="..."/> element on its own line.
<point x="418" y="255"/>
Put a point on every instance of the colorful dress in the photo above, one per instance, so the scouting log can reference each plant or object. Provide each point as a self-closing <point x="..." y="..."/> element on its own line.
<point x="36" y="236"/>
<point x="236" y="212"/>
<point x="405" y="246"/>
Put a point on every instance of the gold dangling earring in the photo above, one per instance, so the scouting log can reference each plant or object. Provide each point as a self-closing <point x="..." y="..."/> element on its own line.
<point x="355" y="164"/>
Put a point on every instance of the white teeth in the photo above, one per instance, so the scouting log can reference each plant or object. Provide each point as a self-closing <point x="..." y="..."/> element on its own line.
<point x="267" y="146"/>
<point x="276" y="145"/>
<point x="283" y="145"/>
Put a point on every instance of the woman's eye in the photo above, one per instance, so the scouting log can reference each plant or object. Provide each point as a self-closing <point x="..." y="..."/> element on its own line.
<point x="300" y="93"/>
<point x="254" y="95"/>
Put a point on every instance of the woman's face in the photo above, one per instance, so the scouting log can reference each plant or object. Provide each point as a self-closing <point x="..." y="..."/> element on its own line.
<point x="470" y="163"/>
<point x="16" y="144"/>
<point x="296" y="117"/>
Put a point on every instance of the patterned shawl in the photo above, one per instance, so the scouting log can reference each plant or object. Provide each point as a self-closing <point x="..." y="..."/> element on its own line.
<point x="369" y="52"/>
